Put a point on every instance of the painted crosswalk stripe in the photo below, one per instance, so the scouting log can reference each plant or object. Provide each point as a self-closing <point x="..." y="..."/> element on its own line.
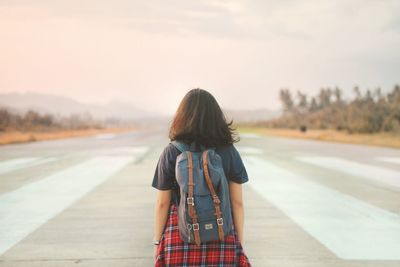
<point x="371" y="172"/>
<point x="21" y="163"/>
<point x="250" y="135"/>
<point x="395" y="160"/>
<point x="105" y="136"/>
<point x="27" y="208"/>
<point x="249" y="150"/>
<point x="129" y="150"/>
<point x="350" y="228"/>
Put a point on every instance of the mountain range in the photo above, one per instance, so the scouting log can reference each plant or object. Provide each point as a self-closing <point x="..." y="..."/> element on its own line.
<point x="65" y="106"/>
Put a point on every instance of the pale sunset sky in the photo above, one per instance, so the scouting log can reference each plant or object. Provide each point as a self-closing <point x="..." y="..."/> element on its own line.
<point x="150" y="53"/>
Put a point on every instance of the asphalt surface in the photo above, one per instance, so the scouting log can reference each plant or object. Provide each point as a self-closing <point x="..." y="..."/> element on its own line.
<point x="89" y="201"/>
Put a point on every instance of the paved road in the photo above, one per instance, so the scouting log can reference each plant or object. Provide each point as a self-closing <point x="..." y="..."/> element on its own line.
<point x="88" y="202"/>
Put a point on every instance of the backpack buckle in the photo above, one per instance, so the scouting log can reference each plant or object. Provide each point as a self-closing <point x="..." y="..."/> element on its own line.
<point x="220" y="221"/>
<point x="216" y="199"/>
<point x="190" y="201"/>
<point x="196" y="226"/>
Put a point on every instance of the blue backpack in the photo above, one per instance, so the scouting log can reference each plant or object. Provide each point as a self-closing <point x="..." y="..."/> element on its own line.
<point x="204" y="209"/>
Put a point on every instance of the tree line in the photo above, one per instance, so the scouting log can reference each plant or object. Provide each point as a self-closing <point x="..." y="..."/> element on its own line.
<point x="34" y="121"/>
<point x="370" y="111"/>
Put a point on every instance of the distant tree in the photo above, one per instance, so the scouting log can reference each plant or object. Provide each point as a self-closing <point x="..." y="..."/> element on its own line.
<point x="392" y="122"/>
<point x="337" y="92"/>
<point x="369" y="111"/>
<point x="368" y="97"/>
<point x="394" y="97"/>
<point x="377" y="95"/>
<point x="301" y="109"/>
<point x="303" y="103"/>
<point x="357" y="92"/>
<point x="325" y="97"/>
<point x="313" y="105"/>
<point x="31" y="120"/>
<point x="5" y="118"/>
<point x="287" y="101"/>
<point x="34" y="121"/>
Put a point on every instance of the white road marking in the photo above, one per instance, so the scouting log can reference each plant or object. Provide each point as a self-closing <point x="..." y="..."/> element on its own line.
<point x="131" y="150"/>
<point x="105" y="136"/>
<point x="20" y="163"/>
<point x="395" y="160"/>
<point x="25" y="209"/>
<point x="374" y="173"/>
<point x="124" y="151"/>
<point x="250" y="135"/>
<point x="350" y="228"/>
<point x="249" y="150"/>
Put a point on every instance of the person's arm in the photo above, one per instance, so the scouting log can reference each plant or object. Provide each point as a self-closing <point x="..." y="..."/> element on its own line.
<point x="235" y="192"/>
<point x="161" y="212"/>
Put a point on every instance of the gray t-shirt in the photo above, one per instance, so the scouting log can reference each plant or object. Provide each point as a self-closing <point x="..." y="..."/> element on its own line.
<point x="164" y="175"/>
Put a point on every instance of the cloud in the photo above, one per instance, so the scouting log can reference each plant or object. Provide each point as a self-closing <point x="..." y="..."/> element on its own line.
<point x="394" y="24"/>
<point x="237" y="45"/>
<point x="216" y="18"/>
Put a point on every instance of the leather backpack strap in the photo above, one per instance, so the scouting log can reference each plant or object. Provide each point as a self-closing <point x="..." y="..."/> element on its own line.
<point x="215" y="197"/>
<point x="190" y="201"/>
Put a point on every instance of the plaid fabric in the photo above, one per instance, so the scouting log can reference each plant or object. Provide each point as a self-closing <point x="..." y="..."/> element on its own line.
<point x="172" y="251"/>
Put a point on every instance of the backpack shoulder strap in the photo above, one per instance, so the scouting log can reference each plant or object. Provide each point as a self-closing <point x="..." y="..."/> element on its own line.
<point x="190" y="201"/>
<point x="181" y="146"/>
<point x="215" y="197"/>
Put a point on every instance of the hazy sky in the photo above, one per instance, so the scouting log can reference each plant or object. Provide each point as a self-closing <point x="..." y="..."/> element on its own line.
<point x="151" y="52"/>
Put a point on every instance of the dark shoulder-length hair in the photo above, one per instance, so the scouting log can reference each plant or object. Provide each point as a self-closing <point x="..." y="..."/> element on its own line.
<point x="200" y="119"/>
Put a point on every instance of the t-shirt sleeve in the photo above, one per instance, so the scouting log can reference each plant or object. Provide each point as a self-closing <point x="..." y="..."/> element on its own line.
<point x="237" y="172"/>
<point x="164" y="174"/>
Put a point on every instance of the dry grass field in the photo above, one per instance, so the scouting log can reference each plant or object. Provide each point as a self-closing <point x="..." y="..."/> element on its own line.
<point x="376" y="139"/>
<point x="12" y="137"/>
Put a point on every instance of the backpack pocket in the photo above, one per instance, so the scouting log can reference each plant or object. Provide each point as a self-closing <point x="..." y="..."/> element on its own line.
<point x="202" y="197"/>
<point x="204" y="207"/>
